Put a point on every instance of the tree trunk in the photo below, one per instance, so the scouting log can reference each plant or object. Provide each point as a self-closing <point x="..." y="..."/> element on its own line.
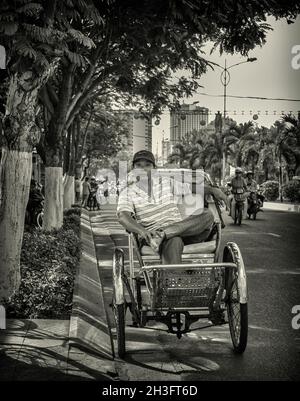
<point x="53" y="214"/>
<point x="54" y="147"/>
<point x="69" y="181"/>
<point x="15" y="182"/>
<point x="67" y="148"/>
<point x="69" y="191"/>
<point x="20" y="134"/>
<point x="267" y="174"/>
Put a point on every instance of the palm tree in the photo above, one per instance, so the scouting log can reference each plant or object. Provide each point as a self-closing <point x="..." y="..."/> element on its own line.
<point x="289" y="143"/>
<point x="240" y="140"/>
<point x="189" y="152"/>
<point x="268" y="154"/>
<point x="212" y="155"/>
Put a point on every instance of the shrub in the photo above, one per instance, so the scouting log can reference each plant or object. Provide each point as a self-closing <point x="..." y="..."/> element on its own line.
<point x="48" y="266"/>
<point x="270" y="190"/>
<point x="74" y="210"/>
<point x="291" y="191"/>
<point x="72" y="222"/>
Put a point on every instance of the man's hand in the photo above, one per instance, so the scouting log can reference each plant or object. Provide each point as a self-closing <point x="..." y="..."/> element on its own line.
<point x="147" y="235"/>
<point x="219" y="195"/>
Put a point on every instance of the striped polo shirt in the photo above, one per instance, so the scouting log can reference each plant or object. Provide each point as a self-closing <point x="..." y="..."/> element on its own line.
<point x="157" y="210"/>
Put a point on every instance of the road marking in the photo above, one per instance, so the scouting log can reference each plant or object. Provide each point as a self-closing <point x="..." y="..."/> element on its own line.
<point x="265" y="271"/>
<point x="263" y="328"/>
<point x="240" y="232"/>
<point x="252" y="233"/>
<point x="274" y="235"/>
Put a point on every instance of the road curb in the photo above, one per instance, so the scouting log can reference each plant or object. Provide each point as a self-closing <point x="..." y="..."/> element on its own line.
<point x="283" y="207"/>
<point x="89" y="327"/>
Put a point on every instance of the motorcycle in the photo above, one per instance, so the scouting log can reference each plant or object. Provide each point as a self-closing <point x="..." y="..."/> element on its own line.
<point x="35" y="210"/>
<point x="254" y="205"/>
<point x="261" y="197"/>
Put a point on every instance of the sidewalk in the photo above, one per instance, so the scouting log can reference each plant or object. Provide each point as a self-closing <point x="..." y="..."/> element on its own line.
<point x="64" y="350"/>
<point x="39" y="350"/>
<point x="83" y="348"/>
<point x="285" y="207"/>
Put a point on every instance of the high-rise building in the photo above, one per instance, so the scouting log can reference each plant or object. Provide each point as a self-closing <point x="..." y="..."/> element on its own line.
<point x="166" y="150"/>
<point x="140" y="131"/>
<point x="189" y="118"/>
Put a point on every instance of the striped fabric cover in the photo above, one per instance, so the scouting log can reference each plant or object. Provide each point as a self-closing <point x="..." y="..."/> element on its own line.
<point x="158" y="210"/>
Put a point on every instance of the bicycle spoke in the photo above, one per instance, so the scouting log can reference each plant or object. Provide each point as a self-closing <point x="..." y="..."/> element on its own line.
<point x="235" y="312"/>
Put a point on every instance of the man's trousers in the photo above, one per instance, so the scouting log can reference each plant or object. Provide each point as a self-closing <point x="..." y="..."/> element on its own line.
<point x="193" y="229"/>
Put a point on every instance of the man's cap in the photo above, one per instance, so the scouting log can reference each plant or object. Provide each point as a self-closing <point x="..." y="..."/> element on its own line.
<point x="249" y="172"/>
<point x="144" y="155"/>
<point x="238" y="170"/>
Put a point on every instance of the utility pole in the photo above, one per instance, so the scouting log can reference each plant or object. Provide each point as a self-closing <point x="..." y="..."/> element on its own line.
<point x="280" y="176"/>
<point x="225" y="79"/>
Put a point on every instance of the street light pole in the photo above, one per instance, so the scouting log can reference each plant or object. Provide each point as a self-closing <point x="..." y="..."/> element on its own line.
<point x="225" y="79"/>
<point x="280" y="167"/>
<point x="225" y="86"/>
<point x="280" y="177"/>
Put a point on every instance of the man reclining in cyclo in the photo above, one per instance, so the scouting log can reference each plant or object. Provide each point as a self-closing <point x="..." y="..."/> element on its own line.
<point x="147" y="207"/>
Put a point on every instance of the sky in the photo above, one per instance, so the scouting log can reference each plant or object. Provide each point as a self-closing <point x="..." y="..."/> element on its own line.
<point x="272" y="75"/>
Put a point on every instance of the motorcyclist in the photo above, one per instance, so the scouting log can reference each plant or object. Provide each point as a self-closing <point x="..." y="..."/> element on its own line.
<point x="238" y="183"/>
<point x="260" y="195"/>
<point x="228" y="188"/>
<point x="252" y="187"/>
<point x="251" y="183"/>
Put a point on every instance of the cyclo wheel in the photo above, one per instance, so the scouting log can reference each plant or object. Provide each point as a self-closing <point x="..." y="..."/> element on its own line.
<point x="119" y="305"/>
<point x="237" y="307"/>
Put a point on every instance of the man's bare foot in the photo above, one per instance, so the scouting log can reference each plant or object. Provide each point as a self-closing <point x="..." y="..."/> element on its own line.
<point x="157" y="239"/>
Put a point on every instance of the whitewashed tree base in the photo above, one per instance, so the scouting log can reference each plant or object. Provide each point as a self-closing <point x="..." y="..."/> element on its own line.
<point x="54" y="197"/>
<point x="69" y="191"/>
<point x="15" y="171"/>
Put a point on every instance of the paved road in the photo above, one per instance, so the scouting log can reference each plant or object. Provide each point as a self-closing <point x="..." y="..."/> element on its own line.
<point x="270" y="248"/>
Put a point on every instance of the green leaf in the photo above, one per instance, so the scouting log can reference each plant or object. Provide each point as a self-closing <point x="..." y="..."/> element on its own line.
<point x="9" y="28"/>
<point x="30" y="9"/>
<point x="81" y="38"/>
<point x="24" y="49"/>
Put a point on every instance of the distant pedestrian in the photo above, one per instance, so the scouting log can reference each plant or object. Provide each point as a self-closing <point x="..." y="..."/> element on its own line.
<point x="93" y="202"/>
<point x="86" y="190"/>
<point x="77" y="190"/>
<point x="105" y="190"/>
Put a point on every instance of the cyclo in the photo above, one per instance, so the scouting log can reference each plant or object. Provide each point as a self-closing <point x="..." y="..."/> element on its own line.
<point x="202" y="287"/>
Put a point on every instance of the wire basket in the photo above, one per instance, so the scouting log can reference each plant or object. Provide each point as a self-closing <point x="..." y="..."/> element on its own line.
<point x="240" y="197"/>
<point x="188" y="288"/>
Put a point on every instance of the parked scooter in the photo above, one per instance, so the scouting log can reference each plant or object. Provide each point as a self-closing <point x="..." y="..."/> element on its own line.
<point x="35" y="206"/>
